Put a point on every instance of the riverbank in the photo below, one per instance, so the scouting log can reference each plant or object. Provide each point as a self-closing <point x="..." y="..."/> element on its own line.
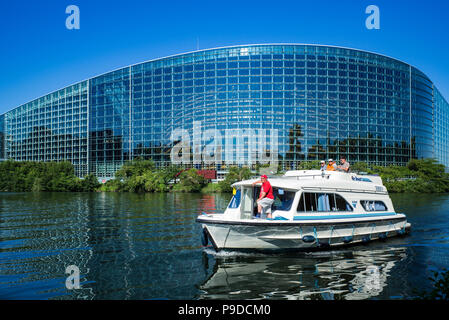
<point x="141" y="176"/>
<point x="30" y="176"/>
<point x="418" y="176"/>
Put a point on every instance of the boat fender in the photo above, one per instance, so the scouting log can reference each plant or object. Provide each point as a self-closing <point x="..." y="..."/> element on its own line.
<point x="366" y="239"/>
<point x="401" y="232"/>
<point x="382" y="236"/>
<point x="204" y="237"/>
<point x="308" y="239"/>
<point x="348" y="239"/>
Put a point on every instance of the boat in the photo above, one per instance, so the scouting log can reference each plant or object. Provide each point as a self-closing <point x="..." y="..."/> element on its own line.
<point x="312" y="210"/>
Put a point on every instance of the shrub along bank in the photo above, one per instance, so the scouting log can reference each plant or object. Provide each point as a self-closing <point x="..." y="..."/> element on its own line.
<point x="142" y="176"/>
<point x="43" y="176"/>
<point x="419" y="176"/>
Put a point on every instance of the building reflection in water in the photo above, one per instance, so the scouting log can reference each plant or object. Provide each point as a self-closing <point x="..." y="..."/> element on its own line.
<point x="44" y="236"/>
<point x="130" y="246"/>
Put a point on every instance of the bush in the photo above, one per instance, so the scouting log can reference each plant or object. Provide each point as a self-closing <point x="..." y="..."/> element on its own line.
<point x="360" y="167"/>
<point x="419" y="176"/>
<point x="43" y="176"/>
<point x="113" y="185"/>
<point x="235" y="174"/>
<point x="89" y="183"/>
<point x="309" y="165"/>
<point x="142" y="176"/>
<point x="211" y="188"/>
<point x="190" y="181"/>
<point x="423" y="175"/>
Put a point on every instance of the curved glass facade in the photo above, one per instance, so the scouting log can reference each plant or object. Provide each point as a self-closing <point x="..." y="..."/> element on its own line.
<point x="441" y="129"/>
<point x="243" y="105"/>
<point x="51" y="128"/>
<point x="2" y="137"/>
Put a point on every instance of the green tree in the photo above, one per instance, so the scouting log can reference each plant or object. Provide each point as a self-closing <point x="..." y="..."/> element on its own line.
<point x="234" y="174"/>
<point x="113" y="185"/>
<point x="360" y="167"/>
<point x="309" y="165"/>
<point x="37" y="185"/>
<point x="190" y="181"/>
<point x="89" y="183"/>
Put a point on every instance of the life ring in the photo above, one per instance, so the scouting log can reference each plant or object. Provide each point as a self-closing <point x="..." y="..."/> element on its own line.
<point x="204" y="237"/>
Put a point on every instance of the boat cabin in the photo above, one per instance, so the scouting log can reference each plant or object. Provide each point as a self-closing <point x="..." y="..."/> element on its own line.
<point x="314" y="194"/>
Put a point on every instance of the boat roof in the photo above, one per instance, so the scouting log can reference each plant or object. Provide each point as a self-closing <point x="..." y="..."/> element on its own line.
<point x="323" y="181"/>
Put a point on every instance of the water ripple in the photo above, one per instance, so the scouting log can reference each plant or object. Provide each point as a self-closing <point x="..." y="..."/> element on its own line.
<point x="130" y="246"/>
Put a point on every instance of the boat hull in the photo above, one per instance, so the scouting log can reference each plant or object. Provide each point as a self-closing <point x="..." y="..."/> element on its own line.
<point x="308" y="235"/>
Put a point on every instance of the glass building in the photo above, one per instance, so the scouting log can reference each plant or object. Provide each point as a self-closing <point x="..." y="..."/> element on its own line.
<point x="241" y="105"/>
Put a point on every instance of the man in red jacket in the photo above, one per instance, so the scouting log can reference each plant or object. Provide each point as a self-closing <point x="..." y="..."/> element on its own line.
<point x="266" y="197"/>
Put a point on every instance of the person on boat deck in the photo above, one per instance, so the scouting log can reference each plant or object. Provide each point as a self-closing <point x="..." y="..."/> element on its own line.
<point x="344" y="165"/>
<point x="323" y="165"/>
<point x="332" y="166"/>
<point x="266" y="197"/>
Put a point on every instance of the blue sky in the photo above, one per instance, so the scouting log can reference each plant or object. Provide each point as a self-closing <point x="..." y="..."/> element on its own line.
<point x="40" y="55"/>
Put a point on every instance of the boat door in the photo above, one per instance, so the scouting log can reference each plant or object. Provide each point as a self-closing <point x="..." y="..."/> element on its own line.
<point x="248" y="209"/>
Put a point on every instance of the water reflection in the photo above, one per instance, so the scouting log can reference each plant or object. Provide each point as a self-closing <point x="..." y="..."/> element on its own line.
<point x="126" y="246"/>
<point x="350" y="274"/>
<point x="130" y="246"/>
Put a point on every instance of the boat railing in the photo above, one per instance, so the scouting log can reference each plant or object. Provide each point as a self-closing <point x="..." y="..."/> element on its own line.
<point x="378" y="190"/>
<point x="299" y="177"/>
<point x="323" y="174"/>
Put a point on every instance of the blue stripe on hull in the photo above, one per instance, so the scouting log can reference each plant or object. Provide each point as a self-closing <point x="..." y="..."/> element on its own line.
<point x="345" y="216"/>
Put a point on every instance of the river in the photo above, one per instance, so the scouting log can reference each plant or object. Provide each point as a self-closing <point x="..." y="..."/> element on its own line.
<point x="131" y="246"/>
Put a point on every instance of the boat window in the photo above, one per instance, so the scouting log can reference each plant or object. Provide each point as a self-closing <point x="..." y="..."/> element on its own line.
<point x="372" y="205"/>
<point x="310" y="201"/>
<point x="341" y="204"/>
<point x="307" y="202"/>
<point x="301" y="205"/>
<point x="283" y="199"/>
<point x="322" y="202"/>
<point x="235" y="201"/>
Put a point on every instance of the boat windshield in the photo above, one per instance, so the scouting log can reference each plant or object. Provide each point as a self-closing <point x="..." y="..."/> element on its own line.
<point x="283" y="199"/>
<point x="235" y="201"/>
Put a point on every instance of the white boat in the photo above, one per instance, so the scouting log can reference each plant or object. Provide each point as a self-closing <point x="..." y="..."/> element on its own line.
<point x="313" y="209"/>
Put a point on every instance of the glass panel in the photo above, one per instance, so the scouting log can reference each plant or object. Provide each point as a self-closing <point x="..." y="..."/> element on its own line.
<point x="310" y="201"/>
<point x="341" y="204"/>
<point x="323" y="201"/>
<point x="371" y="205"/>
<point x="235" y="201"/>
<point x="247" y="201"/>
<point x="283" y="199"/>
<point x="301" y="205"/>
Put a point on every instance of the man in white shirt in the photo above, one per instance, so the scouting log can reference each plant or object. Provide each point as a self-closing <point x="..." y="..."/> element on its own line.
<point x="344" y="165"/>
